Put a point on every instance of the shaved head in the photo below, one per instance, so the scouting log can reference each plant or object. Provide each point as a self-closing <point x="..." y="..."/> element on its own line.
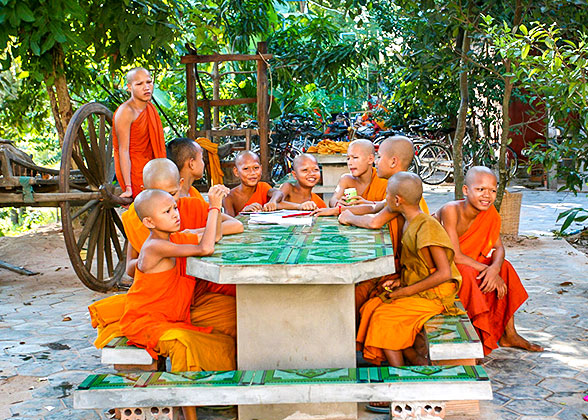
<point x="363" y="146"/>
<point x="406" y="185"/>
<point x="400" y="147"/>
<point x="298" y="160"/>
<point x="148" y="200"/>
<point x="246" y="155"/>
<point x="475" y="172"/>
<point x="131" y="74"/>
<point x="159" y="172"/>
<point x="182" y="149"/>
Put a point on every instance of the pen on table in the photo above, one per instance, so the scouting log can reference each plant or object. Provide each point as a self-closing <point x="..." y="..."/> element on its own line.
<point x="297" y="214"/>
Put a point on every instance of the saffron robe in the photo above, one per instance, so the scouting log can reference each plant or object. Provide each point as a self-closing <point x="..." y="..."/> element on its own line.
<point x="318" y="201"/>
<point x="194" y="193"/>
<point x="489" y="314"/>
<point x="394" y="324"/>
<point x="366" y="289"/>
<point x="376" y="190"/>
<point x="259" y="196"/>
<point x="146" y="142"/>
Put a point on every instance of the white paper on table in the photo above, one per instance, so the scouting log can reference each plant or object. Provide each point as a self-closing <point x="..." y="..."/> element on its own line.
<point x="275" y="218"/>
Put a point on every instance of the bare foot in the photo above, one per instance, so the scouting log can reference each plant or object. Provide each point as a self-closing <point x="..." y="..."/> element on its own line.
<point x="515" y="340"/>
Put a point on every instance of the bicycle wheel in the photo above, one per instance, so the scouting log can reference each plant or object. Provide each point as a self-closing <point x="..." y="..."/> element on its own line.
<point x="415" y="166"/>
<point x="436" y="163"/>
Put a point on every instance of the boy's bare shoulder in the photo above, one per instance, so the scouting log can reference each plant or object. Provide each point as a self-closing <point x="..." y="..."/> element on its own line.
<point x="347" y="180"/>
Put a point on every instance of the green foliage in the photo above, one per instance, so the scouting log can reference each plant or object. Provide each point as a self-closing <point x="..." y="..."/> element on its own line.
<point x="577" y="215"/>
<point x="17" y="221"/>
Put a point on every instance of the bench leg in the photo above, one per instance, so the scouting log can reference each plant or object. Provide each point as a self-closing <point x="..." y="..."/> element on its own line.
<point x="417" y="410"/>
<point x="149" y="413"/>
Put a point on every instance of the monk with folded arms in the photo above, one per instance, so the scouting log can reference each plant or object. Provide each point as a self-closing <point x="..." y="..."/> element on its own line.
<point x="491" y="291"/>
<point x="157" y="310"/>
<point x="137" y="133"/>
<point x="299" y="196"/>
<point x="427" y="285"/>
<point x="362" y="176"/>
<point x="251" y="194"/>
<point x="187" y="155"/>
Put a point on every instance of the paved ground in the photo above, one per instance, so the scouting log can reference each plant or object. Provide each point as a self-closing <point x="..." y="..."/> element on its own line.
<point x="46" y="338"/>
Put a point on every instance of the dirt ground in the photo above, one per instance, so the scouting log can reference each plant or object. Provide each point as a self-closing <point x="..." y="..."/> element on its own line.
<point x="579" y="241"/>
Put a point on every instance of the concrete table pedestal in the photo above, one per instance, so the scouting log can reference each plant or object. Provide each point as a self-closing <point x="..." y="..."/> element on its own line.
<point x="293" y="326"/>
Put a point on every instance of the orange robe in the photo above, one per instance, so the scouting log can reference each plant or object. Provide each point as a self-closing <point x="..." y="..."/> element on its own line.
<point x="376" y="190"/>
<point x="318" y="201"/>
<point x="157" y="317"/>
<point x="394" y="324"/>
<point x="259" y="196"/>
<point x="366" y="289"/>
<point x="194" y="193"/>
<point x="146" y="142"/>
<point x="489" y="314"/>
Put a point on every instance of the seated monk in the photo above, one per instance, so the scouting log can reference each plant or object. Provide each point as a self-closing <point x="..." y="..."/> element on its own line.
<point x="491" y="291"/>
<point x="362" y="176"/>
<point x="187" y="155"/>
<point x="137" y="133"/>
<point x="299" y="196"/>
<point x="427" y="285"/>
<point x="395" y="154"/>
<point x="157" y="310"/>
<point x="251" y="194"/>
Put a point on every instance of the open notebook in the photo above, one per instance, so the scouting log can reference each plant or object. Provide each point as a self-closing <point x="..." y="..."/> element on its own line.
<point x="277" y="218"/>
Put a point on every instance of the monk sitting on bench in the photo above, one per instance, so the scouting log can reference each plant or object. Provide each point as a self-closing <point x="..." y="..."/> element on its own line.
<point x="491" y="291"/>
<point x="299" y="195"/>
<point x="427" y="285"/>
<point x="137" y="133"/>
<point x="362" y="178"/>
<point x="157" y="310"/>
<point x="251" y="194"/>
<point x="187" y="155"/>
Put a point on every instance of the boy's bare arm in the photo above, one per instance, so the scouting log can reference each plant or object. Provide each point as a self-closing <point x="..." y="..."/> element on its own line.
<point x="230" y="225"/>
<point x="275" y="196"/>
<point x="358" y="210"/>
<point x="441" y="275"/>
<point x="132" y="258"/>
<point x="339" y="190"/>
<point x="124" y="119"/>
<point x="490" y="275"/>
<point x="228" y="205"/>
<point x="448" y="219"/>
<point x="366" y="221"/>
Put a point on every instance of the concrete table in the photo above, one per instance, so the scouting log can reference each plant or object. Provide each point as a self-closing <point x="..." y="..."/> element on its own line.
<point x="296" y="298"/>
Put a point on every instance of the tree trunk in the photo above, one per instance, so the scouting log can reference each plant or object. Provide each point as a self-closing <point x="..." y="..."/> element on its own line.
<point x="461" y="119"/>
<point x="502" y="173"/>
<point x="56" y="85"/>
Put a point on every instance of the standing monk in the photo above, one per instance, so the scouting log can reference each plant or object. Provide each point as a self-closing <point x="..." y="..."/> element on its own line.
<point x="362" y="176"/>
<point x="137" y="133"/>
<point x="491" y="290"/>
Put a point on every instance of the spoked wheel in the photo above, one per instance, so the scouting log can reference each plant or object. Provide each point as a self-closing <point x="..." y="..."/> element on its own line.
<point x="436" y="163"/>
<point x="93" y="231"/>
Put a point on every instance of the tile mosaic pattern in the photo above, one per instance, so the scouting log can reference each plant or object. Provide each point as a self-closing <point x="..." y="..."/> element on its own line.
<point x="285" y="376"/>
<point x="118" y="342"/>
<point x="325" y="242"/>
<point x="443" y="329"/>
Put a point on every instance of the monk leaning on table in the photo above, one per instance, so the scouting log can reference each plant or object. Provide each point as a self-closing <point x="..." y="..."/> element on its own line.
<point x="299" y="195"/>
<point x="137" y="133"/>
<point x="251" y="194"/>
<point x="362" y="176"/>
<point x="491" y="291"/>
<point x="157" y="309"/>
<point x="394" y="155"/>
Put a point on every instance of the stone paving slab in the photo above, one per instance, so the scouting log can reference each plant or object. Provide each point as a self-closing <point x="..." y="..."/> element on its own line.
<point x="43" y="356"/>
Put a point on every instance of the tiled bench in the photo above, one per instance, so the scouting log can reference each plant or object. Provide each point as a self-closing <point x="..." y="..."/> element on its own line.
<point x="421" y="390"/>
<point x="452" y="340"/>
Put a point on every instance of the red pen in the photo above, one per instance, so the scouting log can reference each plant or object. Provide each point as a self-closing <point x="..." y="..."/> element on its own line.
<point x="297" y="214"/>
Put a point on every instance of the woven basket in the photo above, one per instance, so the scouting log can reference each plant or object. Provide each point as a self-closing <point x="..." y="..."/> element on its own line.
<point x="510" y="213"/>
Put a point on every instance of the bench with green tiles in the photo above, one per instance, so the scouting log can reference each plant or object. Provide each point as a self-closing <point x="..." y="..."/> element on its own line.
<point x="410" y="389"/>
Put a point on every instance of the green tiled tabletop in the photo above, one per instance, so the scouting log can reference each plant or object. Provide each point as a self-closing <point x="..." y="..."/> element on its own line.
<point x="325" y="242"/>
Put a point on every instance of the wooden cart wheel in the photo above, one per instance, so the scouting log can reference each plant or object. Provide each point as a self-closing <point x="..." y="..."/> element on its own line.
<point x="93" y="231"/>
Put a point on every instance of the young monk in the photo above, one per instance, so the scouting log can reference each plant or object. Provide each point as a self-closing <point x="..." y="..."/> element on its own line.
<point x="187" y="155"/>
<point x="157" y="309"/>
<point x="299" y="196"/>
<point x="251" y="194"/>
<point x="394" y="155"/>
<point x="427" y="286"/>
<point x="137" y="133"/>
<point x="362" y="176"/>
<point x="492" y="291"/>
